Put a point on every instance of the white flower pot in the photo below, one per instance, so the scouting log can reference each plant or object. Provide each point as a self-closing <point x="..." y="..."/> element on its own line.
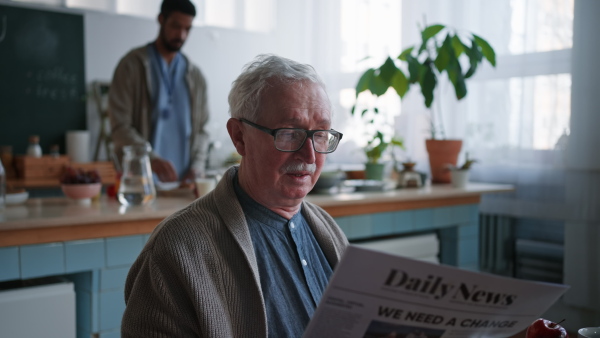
<point x="459" y="178"/>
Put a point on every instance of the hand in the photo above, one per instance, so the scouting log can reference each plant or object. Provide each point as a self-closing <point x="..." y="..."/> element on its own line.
<point x="163" y="169"/>
<point x="188" y="180"/>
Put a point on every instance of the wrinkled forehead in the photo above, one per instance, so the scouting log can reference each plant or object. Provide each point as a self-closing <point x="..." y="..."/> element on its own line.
<point x="296" y="96"/>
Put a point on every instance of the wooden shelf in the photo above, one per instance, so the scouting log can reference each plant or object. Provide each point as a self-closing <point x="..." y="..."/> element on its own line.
<point x="105" y="169"/>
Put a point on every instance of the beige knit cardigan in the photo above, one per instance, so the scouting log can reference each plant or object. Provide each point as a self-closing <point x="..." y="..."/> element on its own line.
<point x="198" y="276"/>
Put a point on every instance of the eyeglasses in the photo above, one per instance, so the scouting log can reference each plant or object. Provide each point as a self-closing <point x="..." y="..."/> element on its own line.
<point x="292" y="139"/>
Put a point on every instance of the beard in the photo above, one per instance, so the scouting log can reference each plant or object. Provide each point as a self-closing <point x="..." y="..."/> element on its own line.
<point x="173" y="45"/>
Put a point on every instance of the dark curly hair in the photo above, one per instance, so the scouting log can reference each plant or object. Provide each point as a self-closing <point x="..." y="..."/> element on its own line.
<point x="184" y="6"/>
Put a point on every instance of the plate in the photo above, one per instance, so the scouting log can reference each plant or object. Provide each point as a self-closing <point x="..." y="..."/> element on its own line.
<point x="370" y="185"/>
<point x="16" y="198"/>
<point x="166" y="186"/>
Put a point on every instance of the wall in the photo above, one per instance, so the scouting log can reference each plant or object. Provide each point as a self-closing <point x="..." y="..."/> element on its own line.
<point x="219" y="52"/>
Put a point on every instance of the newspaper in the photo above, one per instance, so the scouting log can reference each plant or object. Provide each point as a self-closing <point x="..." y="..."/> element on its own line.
<point x="375" y="294"/>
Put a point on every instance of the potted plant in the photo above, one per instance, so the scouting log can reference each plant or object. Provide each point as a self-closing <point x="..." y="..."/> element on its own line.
<point x="374" y="150"/>
<point x="459" y="175"/>
<point x="442" y="51"/>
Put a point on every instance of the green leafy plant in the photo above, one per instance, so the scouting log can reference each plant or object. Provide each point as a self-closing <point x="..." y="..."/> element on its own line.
<point x="442" y="50"/>
<point x="377" y="146"/>
<point x="466" y="165"/>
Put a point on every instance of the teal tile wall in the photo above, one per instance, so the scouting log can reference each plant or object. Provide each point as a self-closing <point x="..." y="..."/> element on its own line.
<point x="111" y="334"/>
<point x="113" y="278"/>
<point x="42" y="260"/>
<point x="112" y="306"/>
<point x="9" y="261"/>
<point x="123" y="250"/>
<point x="97" y="267"/>
<point x="457" y="227"/>
<point x="403" y="222"/>
<point x="84" y="255"/>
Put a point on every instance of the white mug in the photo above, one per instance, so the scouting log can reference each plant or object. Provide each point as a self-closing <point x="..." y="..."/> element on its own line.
<point x="589" y="332"/>
<point x="204" y="186"/>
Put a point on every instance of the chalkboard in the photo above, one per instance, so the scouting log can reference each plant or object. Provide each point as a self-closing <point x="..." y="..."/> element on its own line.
<point x="42" y="76"/>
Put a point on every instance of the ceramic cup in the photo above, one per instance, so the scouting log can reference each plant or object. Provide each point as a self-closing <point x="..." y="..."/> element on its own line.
<point x="589" y="332"/>
<point x="204" y="186"/>
<point x="459" y="178"/>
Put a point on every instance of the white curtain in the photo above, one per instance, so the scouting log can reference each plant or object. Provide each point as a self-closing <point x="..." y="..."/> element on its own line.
<point x="515" y="118"/>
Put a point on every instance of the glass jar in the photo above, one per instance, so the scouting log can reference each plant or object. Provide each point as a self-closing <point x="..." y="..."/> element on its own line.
<point x="2" y="187"/>
<point x="55" y="150"/>
<point x="409" y="178"/>
<point x="6" y="156"/>
<point x="34" y="148"/>
<point x="136" y="186"/>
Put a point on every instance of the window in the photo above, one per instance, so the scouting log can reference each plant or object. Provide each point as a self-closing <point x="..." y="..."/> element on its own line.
<point x="524" y="103"/>
<point x="528" y="112"/>
<point x="251" y="15"/>
<point x="369" y="29"/>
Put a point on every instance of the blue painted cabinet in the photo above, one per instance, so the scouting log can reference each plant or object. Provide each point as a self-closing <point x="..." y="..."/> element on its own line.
<point x="98" y="267"/>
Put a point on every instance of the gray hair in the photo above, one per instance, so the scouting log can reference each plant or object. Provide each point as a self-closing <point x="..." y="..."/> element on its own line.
<point x="265" y="71"/>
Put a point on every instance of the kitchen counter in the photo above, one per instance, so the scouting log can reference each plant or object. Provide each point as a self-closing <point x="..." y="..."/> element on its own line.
<point x="94" y="245"/>
<point x="46" y="220"/>
<point x="433" y="196"/>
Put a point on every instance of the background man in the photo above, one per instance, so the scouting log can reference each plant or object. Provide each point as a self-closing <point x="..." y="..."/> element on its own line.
<point x="157" y="95"/>
<point x="251" y="258"/>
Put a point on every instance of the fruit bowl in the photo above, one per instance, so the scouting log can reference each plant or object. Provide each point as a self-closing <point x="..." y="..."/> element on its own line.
<point x="81" y="191"/>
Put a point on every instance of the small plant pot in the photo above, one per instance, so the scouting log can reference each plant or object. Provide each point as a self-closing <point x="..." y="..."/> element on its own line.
<point x="442" y="153"/>
<point x="374" y="171"/>
<point x="459" y="178"/>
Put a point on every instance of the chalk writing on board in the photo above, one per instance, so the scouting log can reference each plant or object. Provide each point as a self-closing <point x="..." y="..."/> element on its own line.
<point x="54" y="83"/>
<point x="3" y="27"/>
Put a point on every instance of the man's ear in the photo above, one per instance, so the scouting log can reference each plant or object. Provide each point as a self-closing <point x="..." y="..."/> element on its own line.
<point x="236" y="133"/>
<point x="161" y="19"/>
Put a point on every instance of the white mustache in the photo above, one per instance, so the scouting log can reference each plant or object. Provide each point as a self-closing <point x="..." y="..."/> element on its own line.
<point x="299" y="166"/>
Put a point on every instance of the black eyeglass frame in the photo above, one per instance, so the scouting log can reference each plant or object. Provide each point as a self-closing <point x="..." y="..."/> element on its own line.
<point x="309" y="133"/>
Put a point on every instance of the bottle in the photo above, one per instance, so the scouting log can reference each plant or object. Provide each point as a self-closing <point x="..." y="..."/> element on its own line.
<point x="34" y="148"/>
<point x="137" y="185"/>
<point x="2" y="187"/>
<point x="6" y="156"/>
<point x="55" y="150"/>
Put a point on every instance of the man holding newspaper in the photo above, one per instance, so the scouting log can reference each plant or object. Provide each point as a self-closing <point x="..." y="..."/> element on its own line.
<point x="251" y="258"/>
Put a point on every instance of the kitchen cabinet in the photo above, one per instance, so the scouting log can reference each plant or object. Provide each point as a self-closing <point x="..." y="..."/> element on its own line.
<point x="94" y="245"/>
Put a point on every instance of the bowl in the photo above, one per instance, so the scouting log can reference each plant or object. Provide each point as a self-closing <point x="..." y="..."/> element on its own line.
<point x="329" y="179"/>
<point x="81" y="191"/>
<point x="16" y="198"/>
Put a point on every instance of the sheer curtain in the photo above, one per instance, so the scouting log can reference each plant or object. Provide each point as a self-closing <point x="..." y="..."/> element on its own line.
<point x="515" y="118"/>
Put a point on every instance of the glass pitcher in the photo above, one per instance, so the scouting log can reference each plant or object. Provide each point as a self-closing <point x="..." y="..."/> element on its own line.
<point x="136" y="186"/>
<point x="2" y="187"/>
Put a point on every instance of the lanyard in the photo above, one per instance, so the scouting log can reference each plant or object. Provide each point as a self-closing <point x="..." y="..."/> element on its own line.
<point x="169" y="81"/>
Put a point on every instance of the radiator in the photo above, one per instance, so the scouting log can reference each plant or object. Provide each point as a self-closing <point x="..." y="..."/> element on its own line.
<point x="496" y="236"/>
<point x="504" y="252"/>
<point x="538" y="260"/>
<point x="422" y="247"/>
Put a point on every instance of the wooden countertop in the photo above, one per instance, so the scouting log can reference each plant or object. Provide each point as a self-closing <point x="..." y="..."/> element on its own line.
<point x="357" y="203"/>
<point x="46" y="220"/>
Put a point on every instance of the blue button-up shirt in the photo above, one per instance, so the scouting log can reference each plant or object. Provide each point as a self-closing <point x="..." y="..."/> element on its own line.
<point x="293" y="269"/>
<point x="171" y="116"/>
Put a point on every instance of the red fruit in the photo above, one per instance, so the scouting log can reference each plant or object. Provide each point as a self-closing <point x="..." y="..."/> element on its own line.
<point x="543" y="328"/>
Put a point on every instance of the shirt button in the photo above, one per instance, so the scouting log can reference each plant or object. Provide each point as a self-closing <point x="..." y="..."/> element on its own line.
<point x="304" y="262"/>
<point x="292" y="225"/>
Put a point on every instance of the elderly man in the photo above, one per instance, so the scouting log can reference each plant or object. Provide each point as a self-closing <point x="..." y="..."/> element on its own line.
<point x="251" y="258"/>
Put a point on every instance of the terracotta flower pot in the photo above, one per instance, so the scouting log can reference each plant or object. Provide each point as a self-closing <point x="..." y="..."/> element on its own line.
<point x="442" y="153"/>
